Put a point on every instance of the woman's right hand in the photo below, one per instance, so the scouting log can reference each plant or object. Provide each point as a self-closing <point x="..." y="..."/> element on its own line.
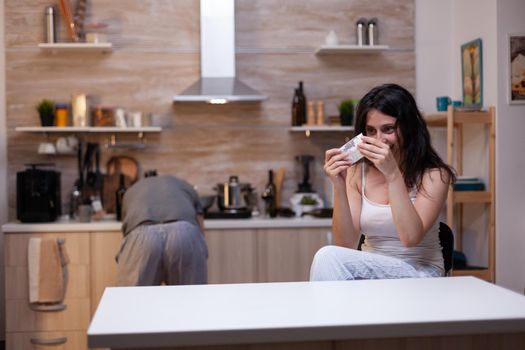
<point x="335" y="166"/>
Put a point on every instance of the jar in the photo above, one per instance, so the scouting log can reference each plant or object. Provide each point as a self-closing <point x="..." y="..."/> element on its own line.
<point x="61" y="114"/>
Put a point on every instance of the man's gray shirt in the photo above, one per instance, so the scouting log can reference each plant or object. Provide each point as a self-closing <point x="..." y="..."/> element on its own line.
<point x="159" y="199"/>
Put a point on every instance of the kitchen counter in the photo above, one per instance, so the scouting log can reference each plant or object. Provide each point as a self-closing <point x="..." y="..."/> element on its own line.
<point x="112" y="225"/>
<point x="426" y="310"/>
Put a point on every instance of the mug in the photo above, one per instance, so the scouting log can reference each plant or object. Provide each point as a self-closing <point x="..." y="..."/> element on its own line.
<point x="457" y="103"/>
<point x="46" y="148"/>
<point x="442" y="103"/>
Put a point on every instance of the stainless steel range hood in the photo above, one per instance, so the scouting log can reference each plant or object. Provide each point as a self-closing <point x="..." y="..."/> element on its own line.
<point x="218" y="83"/>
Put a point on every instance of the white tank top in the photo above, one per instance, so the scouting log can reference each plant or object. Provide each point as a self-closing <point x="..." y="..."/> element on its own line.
<point x="381" y="236"/>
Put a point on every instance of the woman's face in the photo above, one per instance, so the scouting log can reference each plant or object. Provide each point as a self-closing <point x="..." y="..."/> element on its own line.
<point x="383" y="127"/>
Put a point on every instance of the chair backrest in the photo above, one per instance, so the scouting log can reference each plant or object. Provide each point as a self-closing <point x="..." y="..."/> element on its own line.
<point x="446" y="240"/>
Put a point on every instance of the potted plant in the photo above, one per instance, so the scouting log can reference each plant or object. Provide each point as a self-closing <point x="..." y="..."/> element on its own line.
<point x="46" y="111"/>
<point x="346" y="111"/>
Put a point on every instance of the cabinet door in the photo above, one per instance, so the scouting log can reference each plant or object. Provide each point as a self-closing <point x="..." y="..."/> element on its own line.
<point x="285" y="255"/>
<point x="19" y="316"/>
<point x="104" y="248"/>
<point x="231" y="256"/>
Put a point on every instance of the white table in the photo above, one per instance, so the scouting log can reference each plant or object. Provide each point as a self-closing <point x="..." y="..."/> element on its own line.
<point x="304" y="312"/>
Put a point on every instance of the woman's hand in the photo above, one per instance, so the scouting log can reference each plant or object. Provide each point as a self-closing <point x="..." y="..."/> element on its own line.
<point x="380" y="154"/>
<point x="336" y="165"/>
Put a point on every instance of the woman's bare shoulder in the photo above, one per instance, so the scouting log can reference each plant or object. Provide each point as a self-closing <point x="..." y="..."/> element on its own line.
<point x="353" y="176"/>
<point x="436" y="176"/>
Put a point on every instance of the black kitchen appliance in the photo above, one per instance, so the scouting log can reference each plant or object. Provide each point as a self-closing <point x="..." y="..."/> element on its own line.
<point x="38" y="194"/>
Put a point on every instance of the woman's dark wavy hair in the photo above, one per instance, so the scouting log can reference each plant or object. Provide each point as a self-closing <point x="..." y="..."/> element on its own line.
<point x="416" y="151"/>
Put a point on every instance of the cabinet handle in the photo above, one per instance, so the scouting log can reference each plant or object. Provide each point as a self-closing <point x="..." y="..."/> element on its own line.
<point x="52" y="341"/>
<point x="43" y="307"/>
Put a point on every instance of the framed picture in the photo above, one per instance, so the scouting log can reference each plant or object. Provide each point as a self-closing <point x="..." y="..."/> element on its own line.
<point x="517" y="69"/>
<point x="472" y="74"/>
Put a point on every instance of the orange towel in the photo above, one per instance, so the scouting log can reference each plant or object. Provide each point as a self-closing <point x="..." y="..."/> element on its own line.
<point x="47" y="260"/>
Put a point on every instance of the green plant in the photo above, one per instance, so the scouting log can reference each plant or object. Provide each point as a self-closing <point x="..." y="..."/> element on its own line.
<point x="346" y="107"/>
<point x="308" y="200"/>
<point x="46" y="110"/>
<point x="46" y="107"/>
<point x="346" y="111"/>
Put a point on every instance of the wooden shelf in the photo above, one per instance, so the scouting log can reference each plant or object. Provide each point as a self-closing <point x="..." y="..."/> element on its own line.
<point x="308" y="130"/>
<point x="350" y="49"/>
<point x="460" y="117"/>
<point x="472" y="197"/>
<point x="320" y="128"/>
<point x="88" y="129"/>
<point x="483" y="274"/>
<point x="95" y="47"/>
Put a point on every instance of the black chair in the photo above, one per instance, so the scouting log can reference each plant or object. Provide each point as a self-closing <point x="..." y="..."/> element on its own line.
<point x="446" y="239"/>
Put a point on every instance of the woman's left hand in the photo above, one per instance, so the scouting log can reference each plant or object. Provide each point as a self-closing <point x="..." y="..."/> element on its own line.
<point x="380" y="154"/>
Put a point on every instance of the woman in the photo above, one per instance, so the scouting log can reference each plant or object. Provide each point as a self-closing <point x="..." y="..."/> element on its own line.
<point x="393" y="195"/>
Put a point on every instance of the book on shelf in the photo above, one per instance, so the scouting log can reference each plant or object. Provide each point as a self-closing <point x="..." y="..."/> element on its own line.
<point x="469" y="183"/>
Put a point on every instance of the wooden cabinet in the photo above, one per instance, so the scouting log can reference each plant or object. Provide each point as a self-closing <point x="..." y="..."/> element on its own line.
<point x="455" y="122"/>
<point x="27" y="328"/>
<point x="235" y="256"/>
<point x="285" y="255"/>
<point x="263" y="255"/>
<point x="104" y="248"/>
<point x="232" y="256"/>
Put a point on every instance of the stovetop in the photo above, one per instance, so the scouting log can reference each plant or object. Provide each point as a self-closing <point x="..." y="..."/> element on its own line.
<point x="240" y="214"/>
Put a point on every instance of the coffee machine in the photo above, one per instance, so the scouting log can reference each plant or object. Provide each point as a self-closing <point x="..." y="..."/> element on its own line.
<point x="38" y="194"/>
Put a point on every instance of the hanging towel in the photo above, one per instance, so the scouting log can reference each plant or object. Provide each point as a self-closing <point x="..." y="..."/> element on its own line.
<point x="47" y="265"/>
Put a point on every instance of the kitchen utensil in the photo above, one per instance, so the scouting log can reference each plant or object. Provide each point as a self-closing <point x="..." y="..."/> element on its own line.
<point x="125" y="165"/>
<point x="206" y="201"/>
<point x="68" y="18"/>
<point x="231" y="195"/>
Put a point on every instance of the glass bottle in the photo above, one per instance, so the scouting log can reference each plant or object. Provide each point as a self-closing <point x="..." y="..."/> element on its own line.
<point x="296" y="109"/>
<point x="119" y="195"/>
<point x="302" y="104"/>
<point x="269" y="196"/>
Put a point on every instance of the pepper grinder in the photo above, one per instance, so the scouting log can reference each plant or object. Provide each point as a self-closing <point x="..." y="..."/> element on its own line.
<point x="51" y="24"/>
<point x="361" y="31"/>
<point x="372" y="32"/>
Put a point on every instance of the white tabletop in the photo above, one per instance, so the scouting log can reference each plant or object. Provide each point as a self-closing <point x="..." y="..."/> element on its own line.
<point x="210" y="224"/>
<point x="302" y="311"/>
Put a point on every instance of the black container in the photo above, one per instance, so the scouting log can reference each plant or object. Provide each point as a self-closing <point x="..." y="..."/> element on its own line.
<point x="38" y="194"/>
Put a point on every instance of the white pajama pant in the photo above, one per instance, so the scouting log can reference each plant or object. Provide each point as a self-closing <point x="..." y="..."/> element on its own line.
<point x="170" y="253"/>
<point x="334" y="263"/>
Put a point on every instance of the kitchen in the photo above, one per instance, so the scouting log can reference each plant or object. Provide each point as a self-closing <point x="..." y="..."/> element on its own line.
<point x="156" y="55"/>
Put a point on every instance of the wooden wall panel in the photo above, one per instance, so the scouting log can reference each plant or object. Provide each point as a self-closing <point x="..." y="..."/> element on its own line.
<point x="156" y="55"/>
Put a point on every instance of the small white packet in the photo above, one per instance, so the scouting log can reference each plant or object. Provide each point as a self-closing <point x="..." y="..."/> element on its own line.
<point x="350" y="148"/>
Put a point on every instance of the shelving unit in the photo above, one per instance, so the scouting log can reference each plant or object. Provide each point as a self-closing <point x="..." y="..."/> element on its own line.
<point x="350" y="49"/>
<point x="309" y="129"/>
<point x="95" y="47"/>
<point x="112" y="130"/>
<point x="455" y="121"/>
<point x="87" y="129"/>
